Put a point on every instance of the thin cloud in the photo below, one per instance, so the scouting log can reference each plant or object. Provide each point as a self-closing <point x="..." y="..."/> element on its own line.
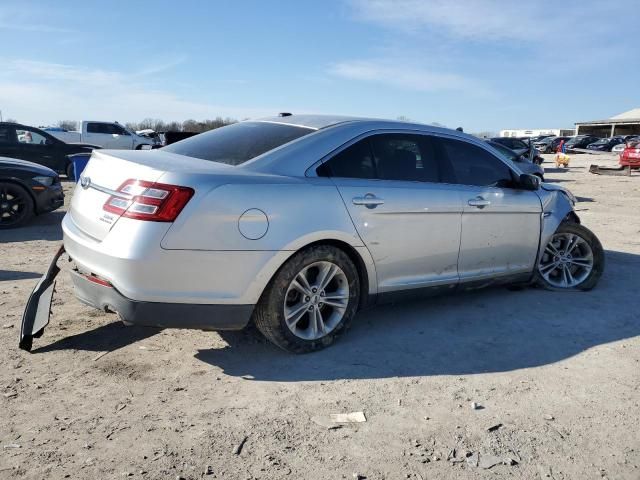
<point x="399" y="75"/>
<point x="41" y="93"/>
<point x="19" y="19"/>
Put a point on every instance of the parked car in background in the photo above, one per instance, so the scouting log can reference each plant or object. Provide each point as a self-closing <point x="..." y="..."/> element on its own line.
<point x="550" y="144"/>
<point x="627" y="141"/>
<point x="295" y="223"/>
<point x="605" y="144"/>
<point x="26" y="189"/>
<point x="580" y="142"/>
<point x="520" y="147"/>
<point x="38" y="146"/>
<point x="630" y="157"/>
<point x="173" y="136"/>
<point x="523" y="162"/>
<point x="106" y="135"/>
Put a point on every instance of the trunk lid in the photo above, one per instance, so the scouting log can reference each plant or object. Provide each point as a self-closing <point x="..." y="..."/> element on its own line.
<point x="107" y="170"/>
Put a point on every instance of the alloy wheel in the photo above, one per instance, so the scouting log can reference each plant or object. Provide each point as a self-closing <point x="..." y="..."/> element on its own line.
<point x="13" y="205"/>
<point x="316" y="300"/>
<point x="567" y="260"/>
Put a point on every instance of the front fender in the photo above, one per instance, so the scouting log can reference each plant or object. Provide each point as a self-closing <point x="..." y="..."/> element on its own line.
<point x="556" y="207"/>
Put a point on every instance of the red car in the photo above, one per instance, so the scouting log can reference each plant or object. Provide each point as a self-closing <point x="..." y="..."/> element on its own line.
<point x="630" y="157"/>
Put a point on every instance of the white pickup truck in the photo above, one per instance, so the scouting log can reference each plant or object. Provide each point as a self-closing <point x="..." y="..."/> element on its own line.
<point x="105" y="135"/>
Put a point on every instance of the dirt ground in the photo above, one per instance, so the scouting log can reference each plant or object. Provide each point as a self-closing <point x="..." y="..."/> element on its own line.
<point x="556" y="377"/>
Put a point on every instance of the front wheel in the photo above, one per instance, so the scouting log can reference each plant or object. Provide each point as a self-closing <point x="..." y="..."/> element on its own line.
<point x="16" y="205"/>
<point x="311" y="300"/>
<point x="573" y="259"/>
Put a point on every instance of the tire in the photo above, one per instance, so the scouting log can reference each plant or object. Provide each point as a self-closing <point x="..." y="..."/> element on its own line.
<point x="69" y="172"/>
<point x="16" y="205"/>
<point x="284" y="299"/>
<point x="561" y="250"/>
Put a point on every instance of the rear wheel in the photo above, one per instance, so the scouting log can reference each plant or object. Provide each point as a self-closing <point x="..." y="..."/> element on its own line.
<point x="311" y="300"/>
<point x="16" y="205"/>
<point x="573" y="259"/>
<point x="69" y="171"/>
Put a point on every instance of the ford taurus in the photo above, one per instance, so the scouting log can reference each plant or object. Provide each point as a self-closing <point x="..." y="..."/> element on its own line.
<point x="297" y="222"/>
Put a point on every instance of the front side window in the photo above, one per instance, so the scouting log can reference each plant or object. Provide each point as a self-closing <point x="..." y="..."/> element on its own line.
<point x="238" y="143"/>
<point x="30" y="137"/>
<point x="472" y="165"/>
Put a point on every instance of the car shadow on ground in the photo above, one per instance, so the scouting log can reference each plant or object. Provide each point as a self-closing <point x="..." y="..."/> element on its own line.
<point x="492" y="330"/>
<point x="10" y="275"/>
<point x="47" y="226"/>
<point x="109" y="337"/>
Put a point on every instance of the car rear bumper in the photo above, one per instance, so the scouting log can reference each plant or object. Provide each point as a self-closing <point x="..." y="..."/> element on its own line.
<point x="159" y="314"/>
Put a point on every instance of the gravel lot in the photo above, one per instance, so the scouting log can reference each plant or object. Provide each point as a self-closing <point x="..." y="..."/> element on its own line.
<point x="556" y="374"/>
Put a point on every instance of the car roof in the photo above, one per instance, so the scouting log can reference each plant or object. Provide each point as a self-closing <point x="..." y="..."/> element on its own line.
<point x="330" y="132"/>
<point x="315" y="122"/>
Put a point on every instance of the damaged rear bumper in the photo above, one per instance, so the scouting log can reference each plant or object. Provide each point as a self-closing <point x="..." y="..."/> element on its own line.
<point x="100" y="294"/>
<point x="160" y="314"/>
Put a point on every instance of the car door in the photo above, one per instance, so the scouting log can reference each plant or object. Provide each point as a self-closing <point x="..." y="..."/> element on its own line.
<point x="408" y="220"/>
<point x="120" y="138"/>
<point x="36" y="147"/>
<point x="8" y="142"/>
<point x="500" y="224"/>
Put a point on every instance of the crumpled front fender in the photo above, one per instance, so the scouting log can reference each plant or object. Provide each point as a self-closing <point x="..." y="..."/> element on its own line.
<point x="557" y="205"/>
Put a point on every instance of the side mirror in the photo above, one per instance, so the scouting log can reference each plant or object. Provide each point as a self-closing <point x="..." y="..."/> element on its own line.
<point x="529" y="182"/>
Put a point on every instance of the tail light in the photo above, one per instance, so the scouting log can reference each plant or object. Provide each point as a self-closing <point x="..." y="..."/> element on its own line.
<point x="142" y="200"/>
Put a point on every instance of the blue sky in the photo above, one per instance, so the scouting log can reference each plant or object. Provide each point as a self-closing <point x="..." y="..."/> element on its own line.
<point x="480" y="64"/>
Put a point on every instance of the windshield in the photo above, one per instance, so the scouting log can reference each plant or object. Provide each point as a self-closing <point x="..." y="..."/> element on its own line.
<point x="238" y="143"/>
<point x="602" y="140"/>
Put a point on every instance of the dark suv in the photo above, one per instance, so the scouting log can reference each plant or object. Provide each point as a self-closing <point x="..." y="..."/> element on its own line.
<point x="37" y="146"/>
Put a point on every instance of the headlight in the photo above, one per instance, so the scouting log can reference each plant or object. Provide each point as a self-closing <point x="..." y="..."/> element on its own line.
<point x="46" y="181"/>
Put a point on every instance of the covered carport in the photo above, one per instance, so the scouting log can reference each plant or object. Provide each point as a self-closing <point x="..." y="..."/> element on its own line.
<point x="627" y="123"/>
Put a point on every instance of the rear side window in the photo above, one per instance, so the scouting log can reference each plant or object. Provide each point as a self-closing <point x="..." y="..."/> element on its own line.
<point x="108" y="128"/>
<point x="7" y="135"/>
<point x="238" y="143"/>
<point x="95" y="128"/>
<point x="355" y="161"/>
<point x="399" y="157"/>
<point x="472" y="165"/>
<point x="408" y="158"/>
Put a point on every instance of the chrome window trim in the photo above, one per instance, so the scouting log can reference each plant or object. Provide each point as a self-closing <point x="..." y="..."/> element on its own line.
<point x="311" y="171"/>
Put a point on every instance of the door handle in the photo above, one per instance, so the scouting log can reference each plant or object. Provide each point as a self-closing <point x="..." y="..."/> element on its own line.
<point x="369" y="200"/>
<point x="478" y="202"/>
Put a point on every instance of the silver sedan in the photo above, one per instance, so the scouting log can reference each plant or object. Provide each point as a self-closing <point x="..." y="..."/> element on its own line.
<point x="297" y="222"/>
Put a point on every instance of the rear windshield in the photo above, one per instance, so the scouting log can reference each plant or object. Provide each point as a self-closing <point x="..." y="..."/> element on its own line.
<point x="238" y="143"/>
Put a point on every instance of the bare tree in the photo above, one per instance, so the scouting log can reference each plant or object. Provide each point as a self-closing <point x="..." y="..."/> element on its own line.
<point x="70" y="125"/>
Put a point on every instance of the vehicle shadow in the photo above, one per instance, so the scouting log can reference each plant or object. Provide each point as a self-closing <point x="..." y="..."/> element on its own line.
<point x="109" y="337"/>
<point x="47" y="226"/>
<point x="494" y="330"/>
<point x="9" y="275"/>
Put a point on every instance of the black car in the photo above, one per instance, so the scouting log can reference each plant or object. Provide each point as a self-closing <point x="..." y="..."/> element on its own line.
<point x="580" y="141"/>
<point x="522" y="161"/>
<point x="35" y="145"/>
<point x="26" y="189"/>
<point x="520" y="147"/>
<point x="605" y="144"/>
